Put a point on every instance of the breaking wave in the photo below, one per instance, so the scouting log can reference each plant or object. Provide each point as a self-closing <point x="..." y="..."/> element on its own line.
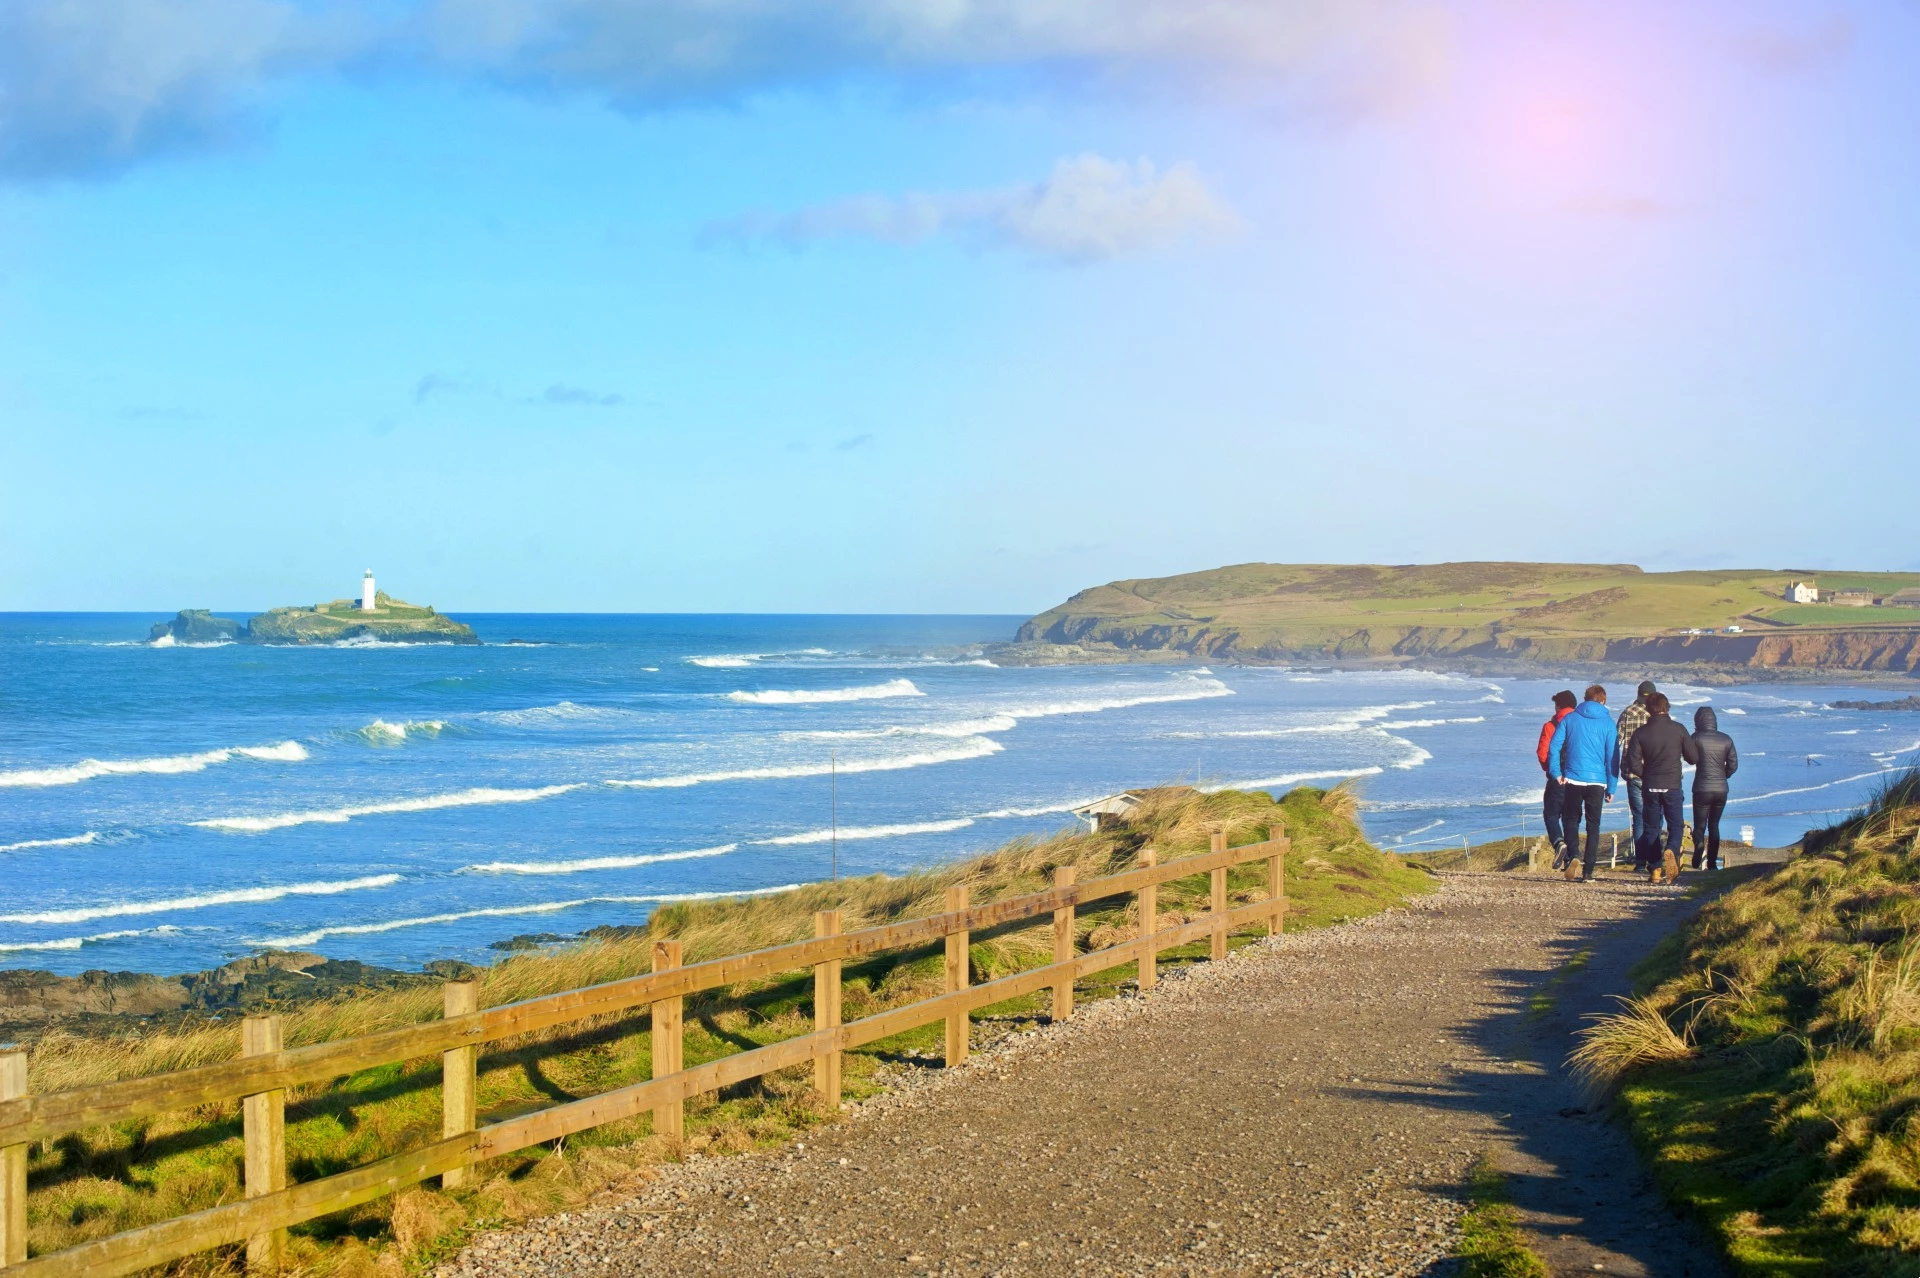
<point x="972" y="748"/>
<point x="380" y="732"/>
<point x="1001" y="814"/>
<point x="917" y="827"/>
<point x="234" y="896"/>
<point x="1807" y="789"/>
<point x="502" y="911"/>
<point x="850" y="832"/>
<point x="725" y="660"/>
<point x="560" y="714"/>
<point x="958" y="728"/>
<point x="71" y="841"/>
<point x="1362" y="719"/>
<point x="1199" y="690"/>
<point x="88" y="769"/>
<point x="75" y="942"/>
<point x="480" y="795"/>
<point x="1293" y="778"/>
<point x="594" y="862"/>
<point x="815" y="696"/>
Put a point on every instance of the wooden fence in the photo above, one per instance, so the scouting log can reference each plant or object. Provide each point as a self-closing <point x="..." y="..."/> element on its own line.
<point x="260" y="1077"/>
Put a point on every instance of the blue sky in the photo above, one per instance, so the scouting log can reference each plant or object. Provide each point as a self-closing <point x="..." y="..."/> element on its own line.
<point x="887" y="305"/>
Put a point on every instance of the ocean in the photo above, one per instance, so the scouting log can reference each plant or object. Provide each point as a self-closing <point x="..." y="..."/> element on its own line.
<point x="169" y="809"/>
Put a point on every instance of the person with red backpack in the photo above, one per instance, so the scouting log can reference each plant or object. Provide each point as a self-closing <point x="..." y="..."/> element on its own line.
<point x="1563" y="704"/>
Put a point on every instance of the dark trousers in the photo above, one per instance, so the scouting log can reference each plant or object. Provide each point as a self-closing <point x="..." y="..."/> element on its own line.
<point x="1637" y="805"/>
<point x="1707" y="811"/>
<point x="1668" y="808"/>
<point x="1550" y="812"/>
<point x="1577" y="801"/>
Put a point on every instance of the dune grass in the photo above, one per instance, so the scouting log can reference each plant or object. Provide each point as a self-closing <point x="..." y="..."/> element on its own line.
<point x="1771" y="1069"/>
<point x="111" y="1179"/>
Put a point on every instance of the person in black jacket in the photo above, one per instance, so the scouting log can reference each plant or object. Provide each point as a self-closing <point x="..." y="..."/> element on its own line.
<point x="1657" y="754"/>
<point x="1718" y="760"/>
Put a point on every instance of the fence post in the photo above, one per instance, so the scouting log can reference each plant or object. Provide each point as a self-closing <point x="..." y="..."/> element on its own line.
<point x="1217" y="903"/>
<point x="264" y="1125"/>
<point x="458" y="1084"/>
<point x="826" y="1010"/>
<point x="957" y="946"/>
<point x="13" y="1165"/>
<point x="1277" y="882"/>
<point x="1063" y="877"/>
<point x="669" y="1117"/>
<point x="1149" y="911"/>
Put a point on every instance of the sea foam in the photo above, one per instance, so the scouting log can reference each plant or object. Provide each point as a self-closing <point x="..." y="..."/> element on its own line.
<point x="853" y="832"/>
<point x="955" y="728"/>
<point x="941" y="826"/>
<point x="235" y="896"/>
<point x="502" y="911"/>
<point x="1806" y="789"/>
<point x="75" y="942"/>
<point x="595" y="862"/>
<point x="1199" y="690"/>
<point x="381" y="732"/>
<point x="972" y="748"/>
<point x="71" y="841"/>
<point x="88" y="769"/>
<point x="1293" y="778"/>
<point x="817" y="696"/>
<point x="479" y="795"/>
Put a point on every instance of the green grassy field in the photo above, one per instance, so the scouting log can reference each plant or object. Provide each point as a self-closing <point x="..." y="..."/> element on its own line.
<point x="111" y="1179"/>
<point x="1303" y="607"/>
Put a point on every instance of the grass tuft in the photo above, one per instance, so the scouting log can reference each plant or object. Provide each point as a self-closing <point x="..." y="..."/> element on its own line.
<point x="1617" y="1044"/>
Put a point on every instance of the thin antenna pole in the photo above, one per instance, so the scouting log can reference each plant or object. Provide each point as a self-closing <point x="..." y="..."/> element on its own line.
<point x="833" y="792"/>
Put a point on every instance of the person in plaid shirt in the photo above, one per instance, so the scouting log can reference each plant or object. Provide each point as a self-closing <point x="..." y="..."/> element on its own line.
<point x="1632" y="719"/>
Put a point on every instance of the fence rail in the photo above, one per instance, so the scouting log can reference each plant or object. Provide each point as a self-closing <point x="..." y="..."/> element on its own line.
<point x="261" y="1076"/>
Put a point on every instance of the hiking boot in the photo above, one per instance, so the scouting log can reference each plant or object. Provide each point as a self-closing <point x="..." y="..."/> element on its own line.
<point x="1671" y="867"/>
<point x="1571" y="870"/>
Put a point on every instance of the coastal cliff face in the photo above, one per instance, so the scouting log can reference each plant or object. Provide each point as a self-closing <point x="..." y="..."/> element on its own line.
<point x="1487" y="614"/>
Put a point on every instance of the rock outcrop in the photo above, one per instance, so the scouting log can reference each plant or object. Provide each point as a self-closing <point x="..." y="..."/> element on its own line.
<point x="341" y="621"/>
<point x="197" y="625"/>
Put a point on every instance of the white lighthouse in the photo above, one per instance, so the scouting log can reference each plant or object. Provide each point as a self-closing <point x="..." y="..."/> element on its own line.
<point x="368" y="598"/>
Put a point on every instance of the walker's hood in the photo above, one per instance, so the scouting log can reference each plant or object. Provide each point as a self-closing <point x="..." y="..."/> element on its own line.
<point x="1592" y="710"/>
<point x="1705" y="720"/>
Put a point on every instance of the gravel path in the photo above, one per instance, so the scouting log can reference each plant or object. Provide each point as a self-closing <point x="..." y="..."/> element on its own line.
<point x="1310" y="1106"/>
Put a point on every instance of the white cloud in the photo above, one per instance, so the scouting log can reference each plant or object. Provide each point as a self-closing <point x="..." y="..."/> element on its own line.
<point x="90" y="86"/>
<point x="1088" y="209"/>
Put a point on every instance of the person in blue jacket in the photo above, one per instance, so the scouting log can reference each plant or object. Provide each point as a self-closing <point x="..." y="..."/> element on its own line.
<point x="1584" y="756"/>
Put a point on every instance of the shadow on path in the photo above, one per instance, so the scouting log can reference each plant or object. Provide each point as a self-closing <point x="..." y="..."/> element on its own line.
<point x="1584" y="1194"/>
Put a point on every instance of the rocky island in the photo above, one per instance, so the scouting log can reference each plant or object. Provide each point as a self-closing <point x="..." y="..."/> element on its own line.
<point x="1487" y="617"/>
<point x="375" y="617"/>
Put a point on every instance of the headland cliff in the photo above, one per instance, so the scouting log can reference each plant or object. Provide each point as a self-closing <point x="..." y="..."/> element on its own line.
<point x="1487" y="616"/>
